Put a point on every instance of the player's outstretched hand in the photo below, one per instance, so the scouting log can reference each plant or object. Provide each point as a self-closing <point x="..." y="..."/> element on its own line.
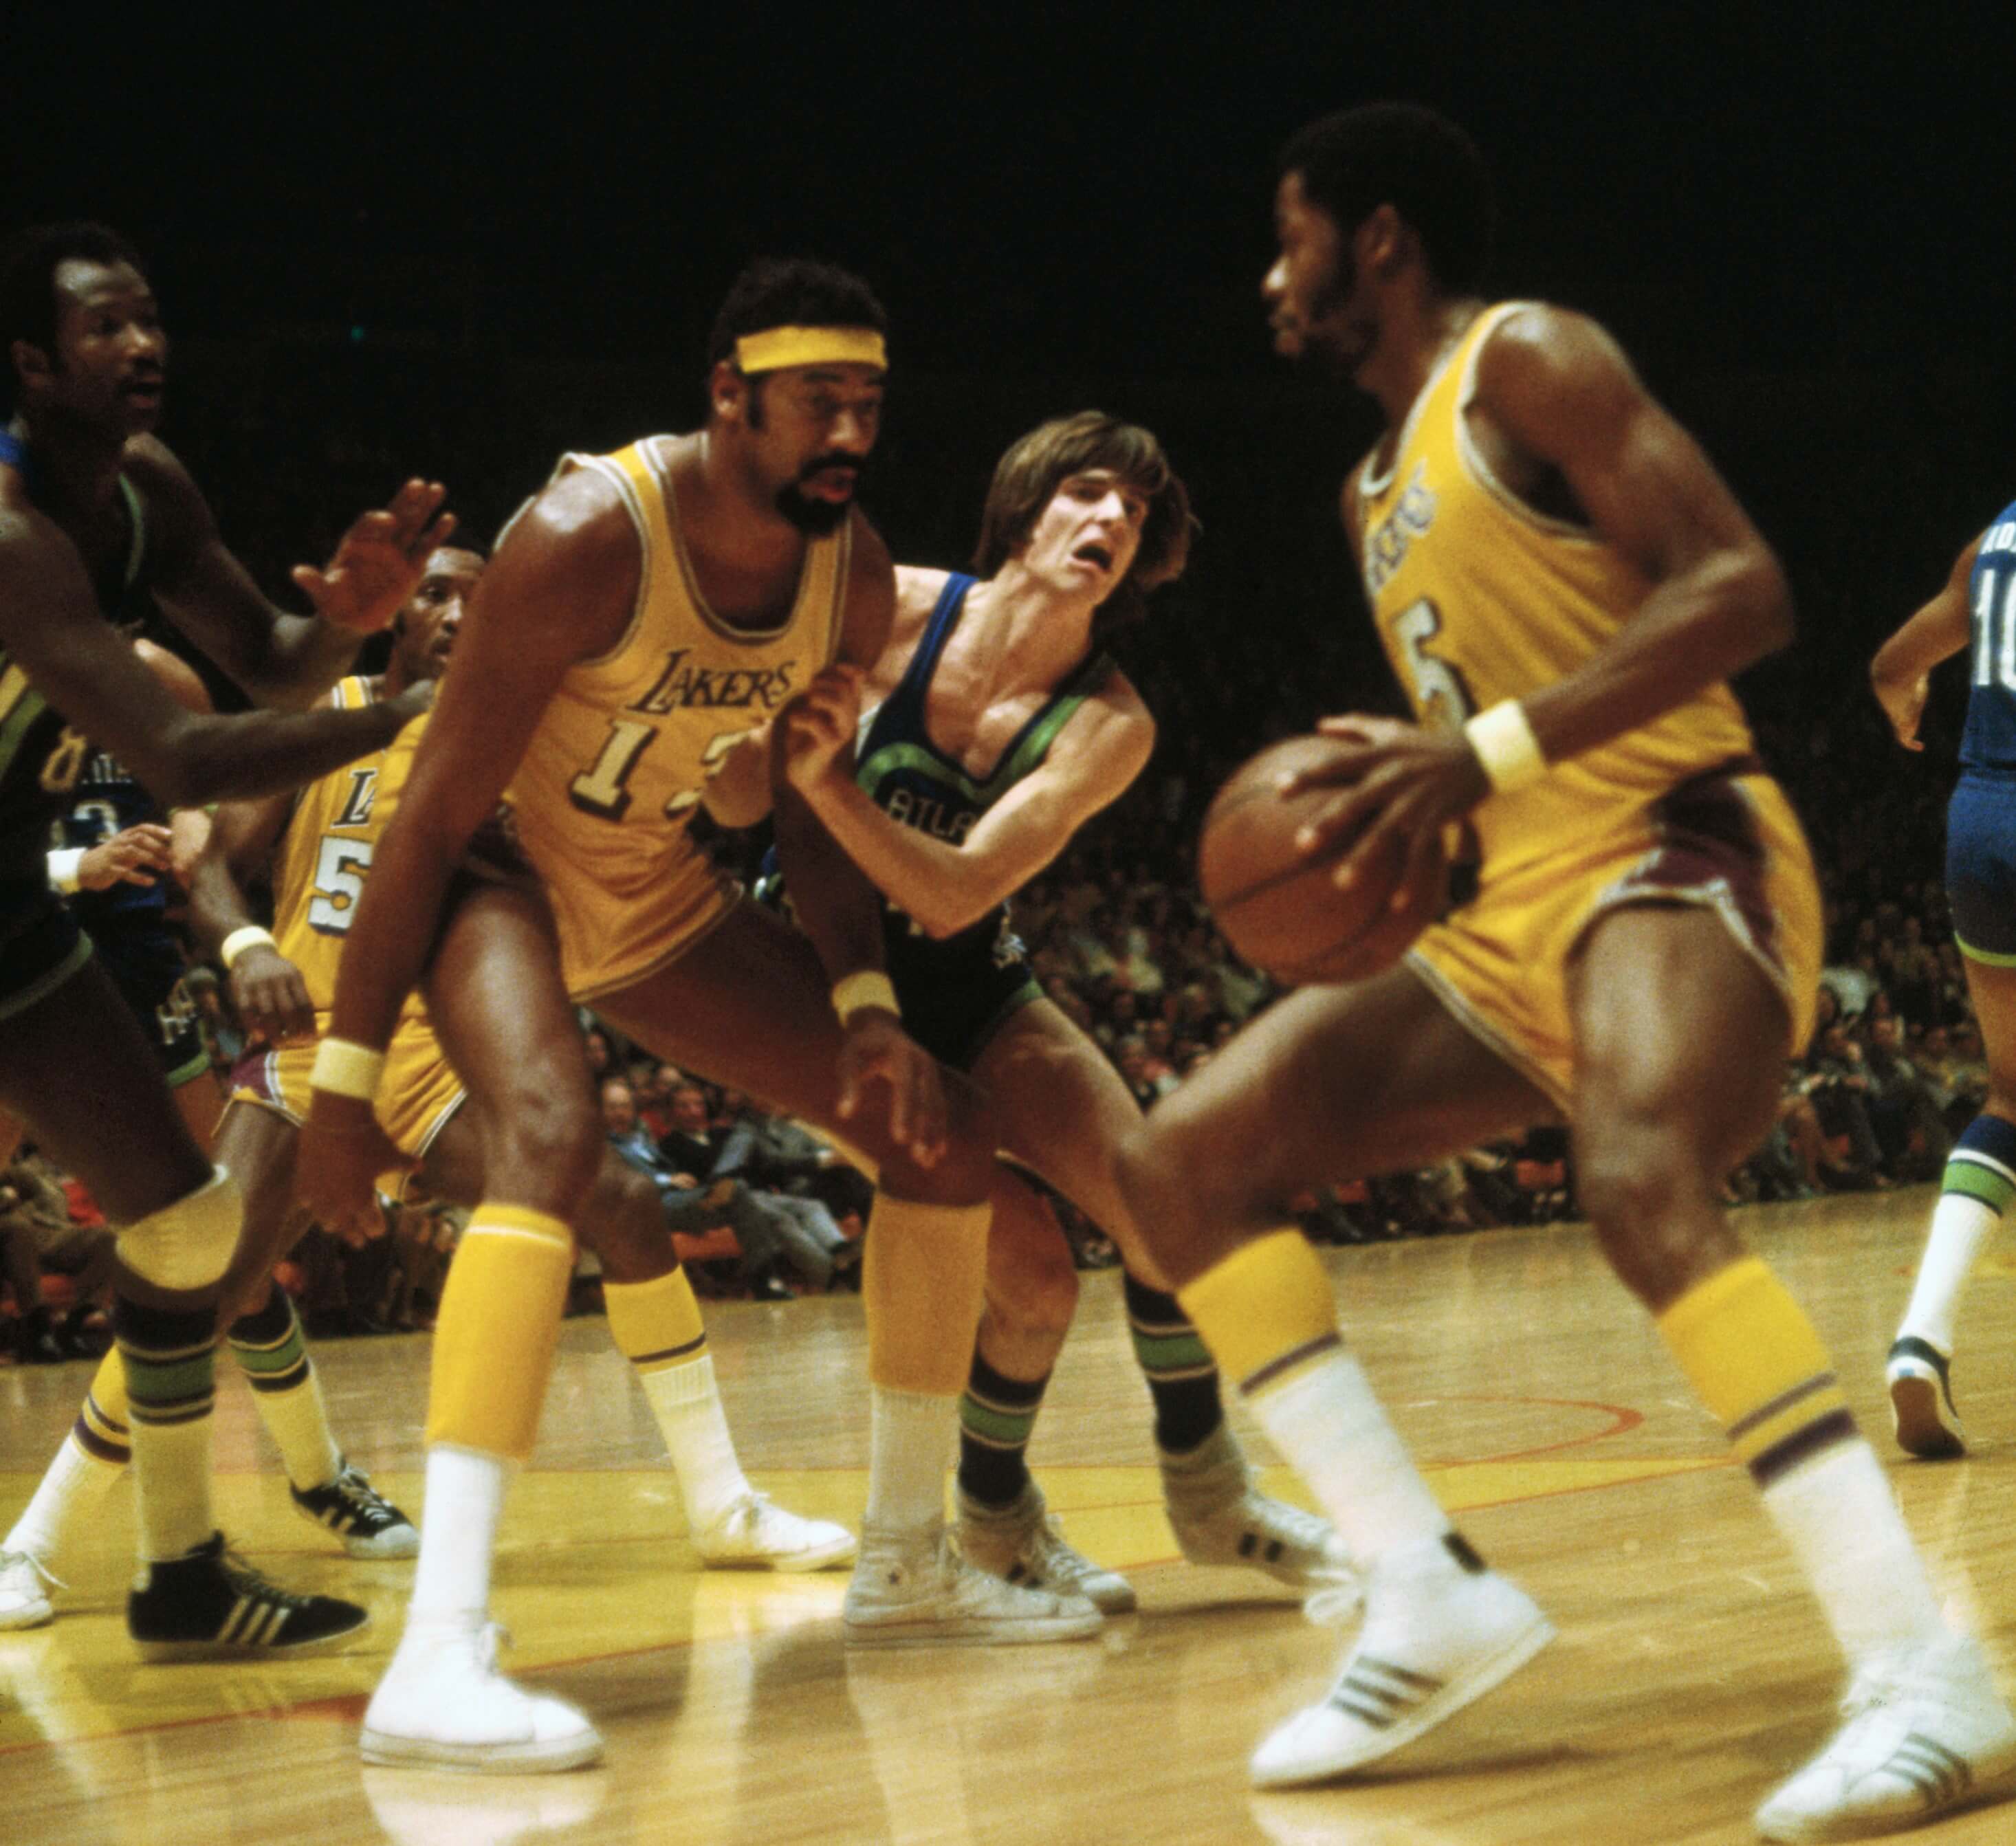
<point x="821" y="722"/>
<point x="271" y="998"/>
<point x="1903" y="703"/>
<point x="341" y="1152"/>
<point x="131" y="856"/>
<point x="875" y="1046"/>
<point x="1404" y="782"/>
<point x="378" y="562"/>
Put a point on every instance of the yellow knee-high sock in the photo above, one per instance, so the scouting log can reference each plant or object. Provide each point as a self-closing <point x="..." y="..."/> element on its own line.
<point x="494" y="1338"/>
<point x="1748" y="1349"/>
<point x="657" y="1327"/>
<point x="923" y="1280"/>
<point x="95" y="1454"/>
<point x="1265" y="1311"/>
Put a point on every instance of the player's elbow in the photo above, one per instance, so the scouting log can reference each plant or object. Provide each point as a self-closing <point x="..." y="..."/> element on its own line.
<point x="1770" y="620"/>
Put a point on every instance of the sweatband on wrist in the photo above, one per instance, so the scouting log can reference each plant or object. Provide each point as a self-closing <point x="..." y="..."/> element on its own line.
<point x="865" y="987"/>
<point x="1506" y="745"/>
<point x="346" y="1070"/>
<point x="235" y="945"/>
<point x="64" y="863"/>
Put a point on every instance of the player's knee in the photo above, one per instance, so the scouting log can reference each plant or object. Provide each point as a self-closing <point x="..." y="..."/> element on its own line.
<point x="546" y="1149"/>
<point x="624" y="1221"/>
<point x="1033" y="1291"/>
<point x="963" y="1172"/>
<point x="186" y="1246"/>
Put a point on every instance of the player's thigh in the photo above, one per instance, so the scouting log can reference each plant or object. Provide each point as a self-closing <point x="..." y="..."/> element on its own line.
<point x="500" y="1010"/>
<point x="200" y="1104"/>
<point x="1680" y="1042"/>
<point x="1992" y="987"/>
<point x="748" y="1006"/>
<point x="78" y="1070"/>
<point x="1331" y="1083"/>
<point x="1062" y="1110"/>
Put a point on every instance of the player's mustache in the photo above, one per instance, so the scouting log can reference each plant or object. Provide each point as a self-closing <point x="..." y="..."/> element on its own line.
<point x="838" y="458"/>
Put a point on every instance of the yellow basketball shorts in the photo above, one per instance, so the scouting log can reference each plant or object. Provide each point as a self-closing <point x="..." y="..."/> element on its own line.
<point x="417" y="1094"/>
<point x="1726" y="840"/>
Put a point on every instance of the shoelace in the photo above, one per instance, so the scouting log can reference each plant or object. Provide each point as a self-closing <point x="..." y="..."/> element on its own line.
<point x="249" y="1583"/>
<point x="362" y="1498"/>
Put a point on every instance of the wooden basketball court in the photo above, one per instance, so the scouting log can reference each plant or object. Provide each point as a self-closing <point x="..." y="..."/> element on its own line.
<point x="1689" y="1677"/>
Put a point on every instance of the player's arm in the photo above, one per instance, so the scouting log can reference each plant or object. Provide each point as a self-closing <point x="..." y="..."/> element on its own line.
<point x="838" y="908"/>
<point x="267" y="988"/>
<point x="277" y="658"/>
<point x="1901" y="673"/>
<point x="52" y="631"/>
<point x="945" y="888"/>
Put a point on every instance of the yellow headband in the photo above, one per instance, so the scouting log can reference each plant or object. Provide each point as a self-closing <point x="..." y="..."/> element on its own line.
<point x="775" y="347"/>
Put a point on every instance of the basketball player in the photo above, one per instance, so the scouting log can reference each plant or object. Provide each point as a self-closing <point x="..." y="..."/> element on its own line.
<point x="94" y="513"/>
<point x="644" y="613"/>
<point x="1977" y="606"/>
<point x="1565" y="587"/>
<point x="998" y="726"/>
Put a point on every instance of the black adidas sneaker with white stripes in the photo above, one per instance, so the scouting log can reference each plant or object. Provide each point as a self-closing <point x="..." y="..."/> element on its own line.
<point x="368" y="1525"/>
<point x="210" y="1602"/>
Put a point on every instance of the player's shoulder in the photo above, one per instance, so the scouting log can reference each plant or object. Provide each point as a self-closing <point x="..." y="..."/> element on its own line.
<point x="1117" y="716"/>
<point x="1542" y="346"/>
<point x="918" y="588"/>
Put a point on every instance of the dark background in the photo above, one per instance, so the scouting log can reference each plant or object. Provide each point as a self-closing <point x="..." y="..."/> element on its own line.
<point x="458" y="241"/>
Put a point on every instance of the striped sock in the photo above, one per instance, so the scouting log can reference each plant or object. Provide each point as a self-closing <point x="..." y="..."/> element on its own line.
<point x="1182" y="1379"/>
<point x="91" y="1458"/>
<point x="1267" y="1313"/>
<point x="170" y="1356"/>
<point x="267" y="1343"/>
<point x="1975" y="1195"/>
<point x="1755" y="1361"/>
<point x="997" y="1416"/>
<point x="657" y="1327"/>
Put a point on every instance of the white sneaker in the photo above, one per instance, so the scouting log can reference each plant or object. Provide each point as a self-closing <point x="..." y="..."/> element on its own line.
<point x="1024" y="1544"/>
<point x="24" y="1603"/>
<point x="914" y="1591"/>
<point x="1921" y="1405"/>
<point x="1436" y="1636"/>
<point x="756" y="1533"/>
<point x="443" y="1703"/>
<point x="1926" y="1730"/>
<point x="1220" y="1517"/>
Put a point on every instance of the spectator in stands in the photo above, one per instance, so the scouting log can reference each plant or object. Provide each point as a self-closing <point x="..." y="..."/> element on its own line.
<point x="37" y="1236"/>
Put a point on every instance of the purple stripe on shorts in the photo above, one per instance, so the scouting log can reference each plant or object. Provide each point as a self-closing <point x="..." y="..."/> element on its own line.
<point x="257" y="1073"/>
<point x="1707" y="836"/>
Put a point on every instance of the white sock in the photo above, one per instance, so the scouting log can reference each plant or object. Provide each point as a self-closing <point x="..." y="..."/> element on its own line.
<point x="1961" y="1225"/>
<point x="1839" y="1516"/>
<point x="687" y="1401"/>
<point x="75" y="1483"/>
<point x="1325" y="1420"/>
<point x="910" y="1445"/>
<point x="463" y="1502"/>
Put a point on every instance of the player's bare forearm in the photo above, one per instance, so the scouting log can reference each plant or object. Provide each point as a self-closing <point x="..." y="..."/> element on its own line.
<point x="298" y="659"/>
<point x="260" y="753"/>
<point x="1699" y="628"/>
<point x="241" y="836"/>
<point x="837" y="906"/>
<point x="737" y="794"/>
<point x="397" y="918"/>
<point x="1934" y="633"/>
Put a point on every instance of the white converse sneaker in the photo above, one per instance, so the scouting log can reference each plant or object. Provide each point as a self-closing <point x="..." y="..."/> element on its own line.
<point x="1435" y="1638"/>
<point x="1921" y="1404"/>
<point x="912" y="1591"/>
<point x="1926" y="1732"/>
<point x="756" y="1533"/>
<point x="443" y="1703"/>
<point x="1024" y="1544"/>
<point x="24" y="1602"/>
<point x="1220" y="1517"/>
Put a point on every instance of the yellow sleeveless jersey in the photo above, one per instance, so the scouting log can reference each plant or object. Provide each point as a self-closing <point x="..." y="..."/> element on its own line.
<point x="1479" y="598"/>
<point x="325" y="855"/>
<point x="602" y="800"/>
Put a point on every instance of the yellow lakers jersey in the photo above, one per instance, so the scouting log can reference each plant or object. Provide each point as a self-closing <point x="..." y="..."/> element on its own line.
<point x="1477" y="598"/>
<point x="325" y="855"/>
<point x="602" y="799"/>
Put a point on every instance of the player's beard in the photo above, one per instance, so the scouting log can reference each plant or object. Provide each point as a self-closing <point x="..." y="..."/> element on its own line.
<point x="1331" y="340"/>
<point x="812" y="516"/>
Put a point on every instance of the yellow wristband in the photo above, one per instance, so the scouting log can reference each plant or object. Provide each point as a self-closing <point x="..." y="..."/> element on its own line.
<point x="346" y="1070"/>
<point x="1505" y="744"/>
<point x="239" y="941"/>
<point x="865" y="987"/>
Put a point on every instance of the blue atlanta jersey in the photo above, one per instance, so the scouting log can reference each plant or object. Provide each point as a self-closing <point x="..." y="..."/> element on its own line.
<point x="1989" y="740"/>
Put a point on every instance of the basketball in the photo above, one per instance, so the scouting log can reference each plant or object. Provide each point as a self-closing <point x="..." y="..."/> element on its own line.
<point x="1278" y="909"/>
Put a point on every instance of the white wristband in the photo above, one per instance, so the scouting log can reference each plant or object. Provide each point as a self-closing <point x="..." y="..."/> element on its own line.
<point x="64" y="863"/>
<point x="865" y="987"/>
<point x="235" y="945"/>
<point x="346" y="1070"/>
<point x="1506" y="745"/>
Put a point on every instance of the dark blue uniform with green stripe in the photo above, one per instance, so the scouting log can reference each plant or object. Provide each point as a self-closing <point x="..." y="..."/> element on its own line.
<point x="954" y="992"/>
<point x="1980" y="818"/>
<point x="41" y="760"/>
